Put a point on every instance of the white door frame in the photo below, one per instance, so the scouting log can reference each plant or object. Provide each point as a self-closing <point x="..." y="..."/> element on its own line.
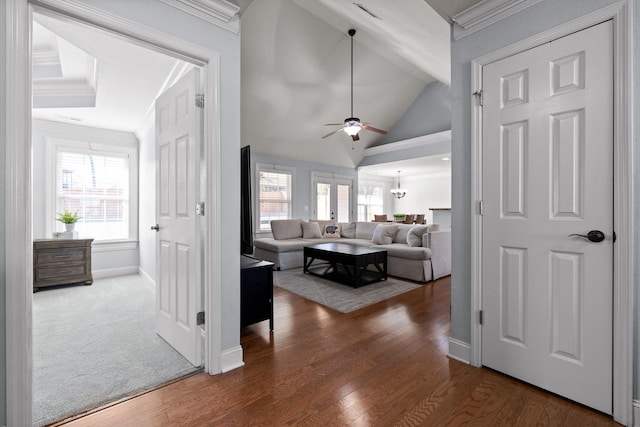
<point x="18" y="221"/>
<point x="622" y="14"/>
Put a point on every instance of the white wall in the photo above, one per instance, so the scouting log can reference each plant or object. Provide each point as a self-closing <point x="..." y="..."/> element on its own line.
<point x="423" y="192"/>
<point x="147" y="198"/>
<point x="43" y="132"/>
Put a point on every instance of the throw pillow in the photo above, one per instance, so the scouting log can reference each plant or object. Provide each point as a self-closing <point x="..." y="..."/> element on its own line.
<point x="348" y="230"/>
<point x="331" y="231"/>
<point x="383" y="234"/>
<point x="311" y="230"/>
<point x="414" y="237"/>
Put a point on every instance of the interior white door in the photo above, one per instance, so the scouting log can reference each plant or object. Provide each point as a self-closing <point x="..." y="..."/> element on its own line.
<point x="178" y="277"/>
<point x="547" y="166"/>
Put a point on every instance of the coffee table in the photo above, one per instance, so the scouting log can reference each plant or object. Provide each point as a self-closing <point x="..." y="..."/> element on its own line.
<point x="346" y="263"/>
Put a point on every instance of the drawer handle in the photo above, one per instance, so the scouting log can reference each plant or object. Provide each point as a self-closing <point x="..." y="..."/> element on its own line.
<point x="63" y="271"/>
<point x="62" y="256"/>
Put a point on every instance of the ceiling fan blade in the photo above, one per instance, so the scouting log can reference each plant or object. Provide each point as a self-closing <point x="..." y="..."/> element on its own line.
<point x="372" y="129"/>
<point x="355" y="137"/>
<point x="333" y="124"/>
<point x="330" y="133"/>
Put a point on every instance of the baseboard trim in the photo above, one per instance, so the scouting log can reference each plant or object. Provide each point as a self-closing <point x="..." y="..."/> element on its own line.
<point x="460" y="351"/>
<point x="231" y="359"/>
<point x="636" y="413"/>
<point x="114" y="272"/>
<point x="143" y="273"/>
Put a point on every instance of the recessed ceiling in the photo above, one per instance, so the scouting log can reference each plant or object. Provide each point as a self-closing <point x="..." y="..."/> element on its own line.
<point x="128" y="77"/>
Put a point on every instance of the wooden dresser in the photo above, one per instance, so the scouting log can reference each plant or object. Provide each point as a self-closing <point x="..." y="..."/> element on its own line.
<point x="61" y="262"/>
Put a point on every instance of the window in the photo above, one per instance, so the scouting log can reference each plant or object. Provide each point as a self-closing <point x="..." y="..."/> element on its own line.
<point x="370" y="200"/>
<point x="275" y="189"/>
<point x="100" y="183"/>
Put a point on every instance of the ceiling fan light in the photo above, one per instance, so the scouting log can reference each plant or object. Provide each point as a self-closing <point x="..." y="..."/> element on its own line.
<point x="352" y="129"/>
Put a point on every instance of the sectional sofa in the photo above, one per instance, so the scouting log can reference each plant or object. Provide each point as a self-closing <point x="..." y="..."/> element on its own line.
<point x="416" y="252"/>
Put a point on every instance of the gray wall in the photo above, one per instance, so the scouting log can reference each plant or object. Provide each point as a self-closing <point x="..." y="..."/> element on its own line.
<point x="302" y="184"/>
<point x="3" y="285"/>
<point x="429" y="113"/>
<point x="163" y="17"/>
<point x="540" y="17"/>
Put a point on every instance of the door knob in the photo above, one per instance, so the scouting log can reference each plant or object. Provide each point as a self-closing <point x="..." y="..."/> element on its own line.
<point x="155" y="227"/>
<point x="595" y="236"/>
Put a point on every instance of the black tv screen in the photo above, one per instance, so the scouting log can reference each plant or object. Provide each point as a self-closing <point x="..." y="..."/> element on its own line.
<point x="246" y="217"/>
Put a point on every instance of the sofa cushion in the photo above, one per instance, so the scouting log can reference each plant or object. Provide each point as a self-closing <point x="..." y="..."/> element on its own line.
<point x="401" y="233"/>
<point x="283" y="229"/>
<point x="364" y="230"/>
<point x="348" y="230"/>
<point x="331" y="231"/>
<point x="311" y="230"/>
<point x="274" y="245"/>
<point x="383" y="234"/>
<point x="401" y="250"/>
<point x="414" y="237"/>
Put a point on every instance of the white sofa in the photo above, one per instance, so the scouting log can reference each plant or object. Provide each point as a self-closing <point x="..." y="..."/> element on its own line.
<point x="416" y="252"/>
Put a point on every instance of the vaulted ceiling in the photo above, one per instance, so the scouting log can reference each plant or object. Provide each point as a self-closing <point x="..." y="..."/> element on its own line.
<point x="295" y="72"/>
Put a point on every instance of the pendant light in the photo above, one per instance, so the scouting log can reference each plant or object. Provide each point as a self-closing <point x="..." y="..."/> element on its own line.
<point x="398" y="193"/>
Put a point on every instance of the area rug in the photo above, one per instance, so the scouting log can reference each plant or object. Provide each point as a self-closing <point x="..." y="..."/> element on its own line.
<point x="336" y="296"/>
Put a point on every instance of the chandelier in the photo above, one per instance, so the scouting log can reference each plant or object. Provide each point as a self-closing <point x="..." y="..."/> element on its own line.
<point x="398" y="193"/>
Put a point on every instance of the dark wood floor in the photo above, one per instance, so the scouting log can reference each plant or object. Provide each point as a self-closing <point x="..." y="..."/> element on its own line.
<point x="384" y="365"/>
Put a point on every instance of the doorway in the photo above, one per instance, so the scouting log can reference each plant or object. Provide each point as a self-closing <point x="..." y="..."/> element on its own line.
<point x="622" y="196"/>
<point x="87" y="151"/>
<point x="19" y="221"/>
<point x="332" y="196"/>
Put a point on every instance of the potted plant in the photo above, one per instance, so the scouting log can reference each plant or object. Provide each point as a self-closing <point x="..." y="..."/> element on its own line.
<point x="69" y="219"/>
<point x="399" y="217"/>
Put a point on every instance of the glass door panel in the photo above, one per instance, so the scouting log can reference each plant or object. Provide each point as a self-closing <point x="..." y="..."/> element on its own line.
<point x="323" y="201"/>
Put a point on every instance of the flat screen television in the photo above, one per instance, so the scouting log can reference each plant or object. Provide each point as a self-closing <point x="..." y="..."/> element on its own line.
<point x="246" y="217"/>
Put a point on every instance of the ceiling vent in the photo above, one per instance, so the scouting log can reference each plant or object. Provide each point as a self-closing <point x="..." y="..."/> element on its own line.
<point x="364" y="9"/>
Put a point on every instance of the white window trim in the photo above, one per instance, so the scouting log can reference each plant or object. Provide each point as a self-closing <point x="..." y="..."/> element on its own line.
<point x="53" y="146"/>
<point x="269" y="167"/>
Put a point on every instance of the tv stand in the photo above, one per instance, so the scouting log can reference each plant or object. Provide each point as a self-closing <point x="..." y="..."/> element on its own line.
<point x="256" y="291"/>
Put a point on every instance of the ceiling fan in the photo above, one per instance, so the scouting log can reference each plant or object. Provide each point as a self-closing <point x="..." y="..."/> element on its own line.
<point x="352" y="125"/>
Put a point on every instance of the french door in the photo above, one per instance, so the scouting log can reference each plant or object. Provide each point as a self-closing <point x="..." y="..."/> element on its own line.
<point x="332" y="196"/>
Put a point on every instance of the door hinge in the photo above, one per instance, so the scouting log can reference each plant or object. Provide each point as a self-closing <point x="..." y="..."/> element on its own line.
<point x="478" y="95"/>
<point x="200" y="209"/>
<point x="614" y="237"/>
<point x="200" y="318"/>
<point x="480" y="317"/>
<point x="200" y="100"/>
<point x="480" y="207"/>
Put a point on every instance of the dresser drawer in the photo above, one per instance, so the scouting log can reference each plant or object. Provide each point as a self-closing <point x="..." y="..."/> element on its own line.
<point x="64" y="273"/>
<point x="43" y="257"/>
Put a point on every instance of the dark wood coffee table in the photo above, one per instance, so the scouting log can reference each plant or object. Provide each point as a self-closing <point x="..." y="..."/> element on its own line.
<point x="346" y="263"/>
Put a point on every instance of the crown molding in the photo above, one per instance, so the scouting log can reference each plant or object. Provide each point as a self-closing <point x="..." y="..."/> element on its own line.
<point x="409" y="143"/>
<point x="486" y="13"/>
<point x="217" y="12"/>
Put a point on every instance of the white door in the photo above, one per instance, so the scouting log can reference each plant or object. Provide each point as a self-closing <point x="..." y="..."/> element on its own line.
<point x="332" y="197"/>
<point x="178" y="239"/>
<point x="548" y="174"/>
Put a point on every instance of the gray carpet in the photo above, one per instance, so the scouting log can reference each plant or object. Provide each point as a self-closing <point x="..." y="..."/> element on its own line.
<point x="342" y="298"/>
<point x="96" y="344"/>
